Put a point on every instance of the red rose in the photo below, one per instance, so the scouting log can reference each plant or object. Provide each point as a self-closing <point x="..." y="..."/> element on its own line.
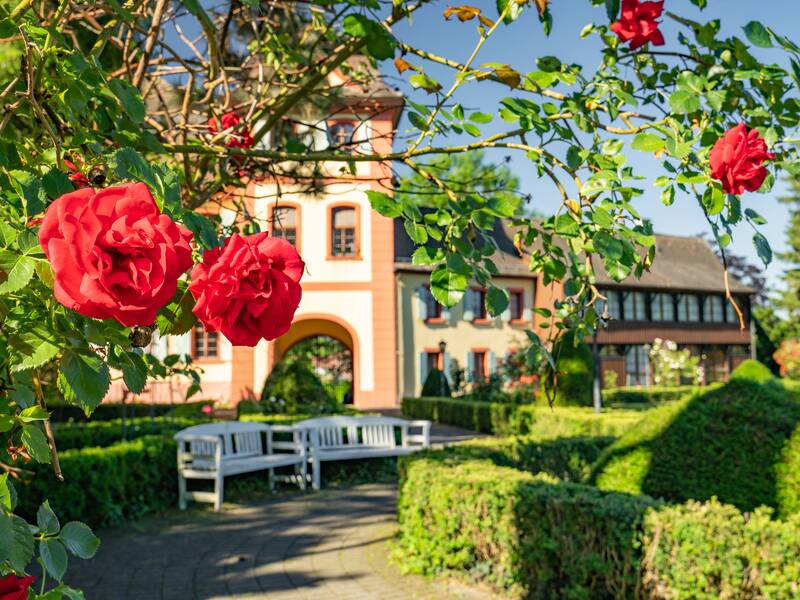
<point x="238" y="138"/>
<point x="638" y="24"/>
<point x="15" y="588"/>
<point x="249" y="289"/>
<point x="737" y="160"/>
<point x="113" y="254"/>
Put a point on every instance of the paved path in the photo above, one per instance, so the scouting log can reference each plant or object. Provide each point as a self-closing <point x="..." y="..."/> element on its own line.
<point x="328" y="545"/>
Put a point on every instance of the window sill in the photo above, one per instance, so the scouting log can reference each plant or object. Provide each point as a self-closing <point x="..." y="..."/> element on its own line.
<point x="483" y="321"/>
<point x="518" y="322"/>
<point x="208" y="360"/>
<point x="435" y="321"/>
<point x="354" y="257"/>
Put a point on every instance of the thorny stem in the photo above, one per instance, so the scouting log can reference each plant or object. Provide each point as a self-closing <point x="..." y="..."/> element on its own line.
<point x="48" y="428"/>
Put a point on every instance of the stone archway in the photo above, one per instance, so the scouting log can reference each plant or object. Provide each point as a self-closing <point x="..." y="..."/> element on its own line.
<point x="308" y="328"/>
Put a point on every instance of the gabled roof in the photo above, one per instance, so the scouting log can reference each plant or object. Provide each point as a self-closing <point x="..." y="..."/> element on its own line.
<point x="681" y="264"/>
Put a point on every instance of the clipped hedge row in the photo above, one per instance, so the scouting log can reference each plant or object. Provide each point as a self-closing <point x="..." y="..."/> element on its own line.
<point x="504" y="419"/>
<point x="539" y="539"/>
<point x="110" y="411"/>
<point x="105" y="433"/>
<point x="649" y="395"/>
<point x="104" y="486"/>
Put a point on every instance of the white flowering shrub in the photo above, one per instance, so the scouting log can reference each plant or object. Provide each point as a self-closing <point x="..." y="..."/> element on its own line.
<point x="673" y="367"/>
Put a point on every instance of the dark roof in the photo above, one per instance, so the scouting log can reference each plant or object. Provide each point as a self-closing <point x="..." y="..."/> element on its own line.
<point x="682" y="263"/>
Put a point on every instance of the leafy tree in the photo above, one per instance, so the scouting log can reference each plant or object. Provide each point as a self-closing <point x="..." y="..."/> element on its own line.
<point x="436" y="384"/>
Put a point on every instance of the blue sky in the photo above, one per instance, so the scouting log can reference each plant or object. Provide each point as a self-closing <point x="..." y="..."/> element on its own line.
<point x="524" y="41"/>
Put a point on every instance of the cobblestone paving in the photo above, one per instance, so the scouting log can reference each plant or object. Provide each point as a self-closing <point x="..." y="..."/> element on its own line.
<point x="328" y="545"/>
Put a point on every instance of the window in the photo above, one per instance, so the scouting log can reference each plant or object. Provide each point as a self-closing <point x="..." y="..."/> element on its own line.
<point x="432" y="361"/>
<point x="637" y="366"/>
<point x="477" y="367"/>
<point x="612" y="304"/>
<point x="662" y="307"/>
<point x="688" y="308"/>
<point x="730" y="312"/>
<point x="205" y="344"/>
<point x="713" y="310"/>
<point x="344" y="228"/>
<point x="634" y="306"/>
<point x="476" y="303"/>
<point x="341" y="134"/>
<point x="433" y="310"/>
<point x="284" y="223"/>
<point x="516" y="305"/>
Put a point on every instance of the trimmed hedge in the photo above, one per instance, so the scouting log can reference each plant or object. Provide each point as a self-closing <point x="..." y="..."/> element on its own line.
<point x="539" y="539"/>
<point x="752" y="370"/>
<point x="110" y="411"/>
<point x="526" y="419"/>
<point x="104" y="486"/>
<point x="106" y="433"/>
<point x="649" y="395"/>
<point x="740" y="443"/>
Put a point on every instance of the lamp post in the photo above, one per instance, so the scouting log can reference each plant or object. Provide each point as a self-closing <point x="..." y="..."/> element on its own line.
<point x="442" y="348"/>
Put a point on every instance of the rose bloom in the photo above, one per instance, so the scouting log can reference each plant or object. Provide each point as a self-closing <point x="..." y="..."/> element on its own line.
<point x="737" y="160"/>
<point x="113" y="254"/>
<point x="637" y="25"/>
<point x="15" y="588"/>
<point x="248" y="289"/>
<point x="240" y="136"/>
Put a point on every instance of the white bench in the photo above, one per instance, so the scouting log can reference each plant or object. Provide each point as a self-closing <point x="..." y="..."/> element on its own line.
<point x="216" y="450"/>
<point x="348" y="438"/>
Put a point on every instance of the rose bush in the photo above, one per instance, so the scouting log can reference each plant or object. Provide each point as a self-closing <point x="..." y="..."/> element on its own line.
<point x="737" y="160"/>
<point x="114" y="255"/>
<point x="248" y="289"/>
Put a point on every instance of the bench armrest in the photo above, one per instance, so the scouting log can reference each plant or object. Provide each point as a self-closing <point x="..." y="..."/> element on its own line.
<point x="423" y="438"/>
<point x="185" y="455"/>
<point x="297" y="443"/>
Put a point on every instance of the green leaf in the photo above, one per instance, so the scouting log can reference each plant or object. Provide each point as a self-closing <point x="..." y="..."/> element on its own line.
<point x="47" y="520"/>
<point x="130" y="99"/>
<point x="35" y="346"/>
<point x="648" y="142"/>
<point x="756" y="218"/>
<point x="79" y="540"/>
<point x="54" y="557"/>
<point x="480" y="117"/>
<point x="16" y="270"/>
<point x="417" y="121"/>
<point x="609" y="248"/>
<point x="16" y="541"/>
<point x="682" y="102"/>
<point x="85" y="381"/>
<point x="612" y="9"/>
<point x="425" y="82"/>
<point x="36" y="443"/>
<point x="758" y="34"/>
<point x="202" y="227"/>
<point x="33" y="413"/>
<point x="134" y="371"/>
<point x="514" y="10"/>
<point x="384" y="204"/>
<point x="56" y="183"/>
<point x="762" y="248"/>
<point x="177" y="318"/>
<point x="425" y="255"/>
<point x="496" y="301"/>
<point x="447" y="286"/>
<point x="30" y="190"/>
<point x="416" y="232"/>
<point x="5" y="499"/>
<point x="668" y="196"/>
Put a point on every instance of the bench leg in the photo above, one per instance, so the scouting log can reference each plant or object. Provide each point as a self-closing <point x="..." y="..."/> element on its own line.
<point x="316" y="475"/>
<point x="219" y="490"/>
<point x="271" y="479"/>
<point x="303" y="474"/>
<point x="181" y="492"/>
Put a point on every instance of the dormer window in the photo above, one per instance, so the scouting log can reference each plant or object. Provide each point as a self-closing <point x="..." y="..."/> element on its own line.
<point x="342" y="135"/>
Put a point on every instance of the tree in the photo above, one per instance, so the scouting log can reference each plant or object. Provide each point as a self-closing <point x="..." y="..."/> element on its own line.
<point x="116" y="97"/>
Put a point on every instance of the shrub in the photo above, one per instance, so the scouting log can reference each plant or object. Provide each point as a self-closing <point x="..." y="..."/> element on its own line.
<point x="788" y="357"/>
<point x="436" y="384"/>
<point x="752" y="370"/>
<point x="103" y="486"/>
<point x="740" y="442"/>
<point x="64" y="413"/>
<point x="672" y="367"/>
<point x="649" y="395"/>
<point x="248" y="407"/>
<point x="293" y="387"/>
<point x="575" y="374"/>
<point x="541" y="539"/>
<point x="504" y="418"/>
<point x="106" y="433"/>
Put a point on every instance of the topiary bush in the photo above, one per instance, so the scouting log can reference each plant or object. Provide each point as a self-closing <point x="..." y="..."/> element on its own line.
<point x="106" y="433"/>
<point x="740" y="442"/>
<point x="652" y="395"/>
<point x="293" y="387"/>
<point x="575" y="373"/>
<point x="752" y="370"/>
<point x="436" y="384"/>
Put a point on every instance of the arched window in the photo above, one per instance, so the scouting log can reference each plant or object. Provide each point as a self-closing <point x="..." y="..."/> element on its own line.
<point x="342" y="135"/>
<point x="344" y="232"/>
<point x="284" y="223"/>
